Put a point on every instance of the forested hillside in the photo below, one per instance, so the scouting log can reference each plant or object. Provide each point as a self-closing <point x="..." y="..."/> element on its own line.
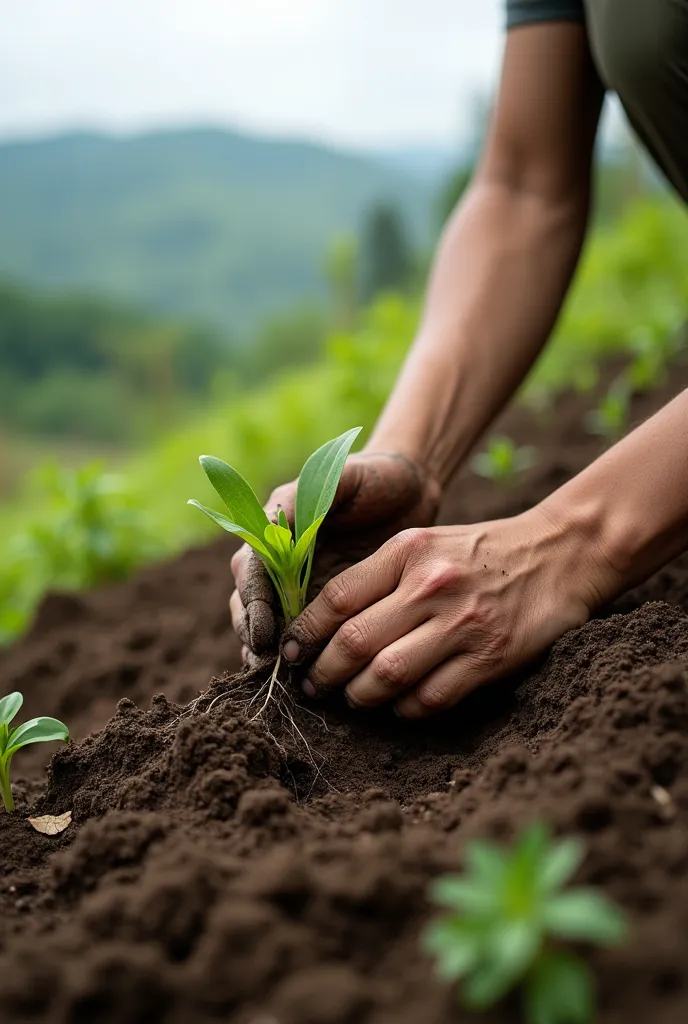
<point x="206" y="224"/>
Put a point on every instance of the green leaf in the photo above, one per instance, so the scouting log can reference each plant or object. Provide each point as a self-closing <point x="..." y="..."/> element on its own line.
<point x="560" y="863"/>
<point x="306" y="539"/>
<point x="318" y="480"/>
<point x="506" y="958"/>
<point x="559" y="990"/>
<point x="245" y="509"/>
<point x="255" y="542"/>
<point x="282" y="518"/>
<point x="487" y="861"/>
<point x="455" y="944"/>
<point x="9" y="706"/>
<point x="465" y="894"/>
<point x="533" y="843"/>
<point x="36" y="730"/>
<point x="280" y="541"/>
<point x="585" y="915"/>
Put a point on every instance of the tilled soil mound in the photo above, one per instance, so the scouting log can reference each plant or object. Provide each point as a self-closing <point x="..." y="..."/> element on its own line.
<point x="212" y="873"/>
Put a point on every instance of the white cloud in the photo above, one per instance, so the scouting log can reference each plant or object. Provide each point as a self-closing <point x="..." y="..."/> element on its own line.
<point x="356" y="72"/>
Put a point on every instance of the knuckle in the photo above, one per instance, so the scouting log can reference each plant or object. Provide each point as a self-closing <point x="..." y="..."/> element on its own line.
<point x="436" y="696"/>
<point x="337" y="595"/>
<point x="354" y="639"/>
<point x="440" y="577"/>
<point x="391" y="668"/>
<point x="414" y="540"/>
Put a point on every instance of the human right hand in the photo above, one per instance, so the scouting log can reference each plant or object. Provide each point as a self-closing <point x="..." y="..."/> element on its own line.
<point x="379" y="494"/>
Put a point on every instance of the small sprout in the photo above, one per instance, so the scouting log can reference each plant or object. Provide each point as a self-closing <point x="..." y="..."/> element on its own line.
<point x="610" y="418"/>
<point x="288" y="558"/>
<point x="503" y="460"/>
<point x="505" y="914"/>
<point x="36" y="730"/>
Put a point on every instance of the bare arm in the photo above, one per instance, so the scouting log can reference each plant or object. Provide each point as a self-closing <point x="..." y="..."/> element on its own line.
<point x="507" y="256"/>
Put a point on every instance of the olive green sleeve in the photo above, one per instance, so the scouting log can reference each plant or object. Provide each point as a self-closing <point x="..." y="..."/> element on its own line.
<point x="529" y="12"/>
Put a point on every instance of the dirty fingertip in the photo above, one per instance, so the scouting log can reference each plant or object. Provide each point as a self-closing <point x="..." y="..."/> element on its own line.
<point x="308" y="688"/>
<point x="292" y="652"/>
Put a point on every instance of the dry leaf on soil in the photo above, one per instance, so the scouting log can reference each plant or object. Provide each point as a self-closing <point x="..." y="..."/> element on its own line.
<point x="51" y="824"/>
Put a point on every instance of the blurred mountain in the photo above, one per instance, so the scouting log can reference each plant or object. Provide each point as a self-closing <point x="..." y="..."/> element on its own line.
<point x="206" y="223"/>
<point x="428" y="164"/>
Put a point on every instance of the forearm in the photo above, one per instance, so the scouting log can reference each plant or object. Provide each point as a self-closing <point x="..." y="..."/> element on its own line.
<point x="630" y="507"/>
<point x="500" y="275"/>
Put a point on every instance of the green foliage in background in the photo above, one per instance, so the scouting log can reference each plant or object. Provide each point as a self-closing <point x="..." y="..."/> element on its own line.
<point x="503" y="459"/>
<point x="628" y="303"/>
<point x="87" y="529"/>
<point x="86" y="369"/>
<point x="506" y="923"/>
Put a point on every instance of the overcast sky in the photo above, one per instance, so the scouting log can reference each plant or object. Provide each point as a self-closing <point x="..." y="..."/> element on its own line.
<point x="364" y="73"/>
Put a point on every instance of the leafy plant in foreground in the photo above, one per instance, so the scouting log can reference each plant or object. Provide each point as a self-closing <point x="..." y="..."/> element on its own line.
<point x="503" y="460"/>
<point x="287" y="557"/>
<point x="36" y="730"/>
<point x="505" y="915"/>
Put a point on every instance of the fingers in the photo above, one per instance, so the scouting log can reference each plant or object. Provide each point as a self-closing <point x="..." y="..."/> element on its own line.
<point x="360" y="638"/>
<point x="396" y="668"/>
<point x="343" y="597"/>
<point x="252" y="610"/>
<point x="239" y="617"/>
<point x="447" y="685"/>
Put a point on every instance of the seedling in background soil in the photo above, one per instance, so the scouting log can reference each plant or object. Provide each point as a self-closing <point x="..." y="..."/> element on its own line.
<point x="287" y="556"/>
<point x="506" y="915"/>
<point x="502" y="460"/>
<point x="610" y="418"/>
<point x="36" y="730"/>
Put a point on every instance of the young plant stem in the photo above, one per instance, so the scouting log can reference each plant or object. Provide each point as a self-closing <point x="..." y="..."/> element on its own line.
<point x="289" y="593"/>
<point x="5" y="789"/>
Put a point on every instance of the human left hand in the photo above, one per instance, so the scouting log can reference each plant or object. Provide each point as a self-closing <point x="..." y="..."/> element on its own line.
<point x="437" y="612"/>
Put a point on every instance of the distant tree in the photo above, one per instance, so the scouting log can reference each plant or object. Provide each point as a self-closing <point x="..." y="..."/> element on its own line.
<point x="386" y="257"/>
<point x="341" y="271"/>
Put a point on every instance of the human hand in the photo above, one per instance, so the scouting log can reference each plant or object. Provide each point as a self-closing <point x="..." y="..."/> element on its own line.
<point x="379" y="494"/>
<point x="437" y="612"/>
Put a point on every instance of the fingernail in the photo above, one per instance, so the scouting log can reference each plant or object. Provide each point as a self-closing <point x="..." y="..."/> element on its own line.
<point x="292" y="651"/>
<point x="308" y="688"/>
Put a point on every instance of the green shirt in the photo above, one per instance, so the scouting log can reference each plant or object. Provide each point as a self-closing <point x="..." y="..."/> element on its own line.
<point x="526" y="12"/>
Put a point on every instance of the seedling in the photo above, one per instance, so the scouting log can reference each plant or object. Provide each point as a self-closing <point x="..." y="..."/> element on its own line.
<point x="36" y="730"/>
<point x="503" y="460"/>
<point x="505" y="916"/>
<point x="287" y="556"/>
<point x="610" y="419"/>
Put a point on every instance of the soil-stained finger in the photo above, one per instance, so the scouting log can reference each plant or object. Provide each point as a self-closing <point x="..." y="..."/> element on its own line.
<point x="399" y="666"/>
<point x="239" y="617"/>
<point x="346" y="595"/>
<point x="446" y="686"/>
<point x="358" y="640"/>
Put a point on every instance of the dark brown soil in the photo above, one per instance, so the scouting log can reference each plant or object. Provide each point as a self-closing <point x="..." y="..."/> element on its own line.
<point x="211" y="875"/>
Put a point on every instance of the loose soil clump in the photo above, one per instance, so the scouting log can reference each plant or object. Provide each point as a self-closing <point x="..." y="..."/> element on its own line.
<point x="212" y="873"/>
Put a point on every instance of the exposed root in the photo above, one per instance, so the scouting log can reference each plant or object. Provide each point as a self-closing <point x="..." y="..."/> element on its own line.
<point x="271" y="687"/>
<point x="276" y="707"/>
